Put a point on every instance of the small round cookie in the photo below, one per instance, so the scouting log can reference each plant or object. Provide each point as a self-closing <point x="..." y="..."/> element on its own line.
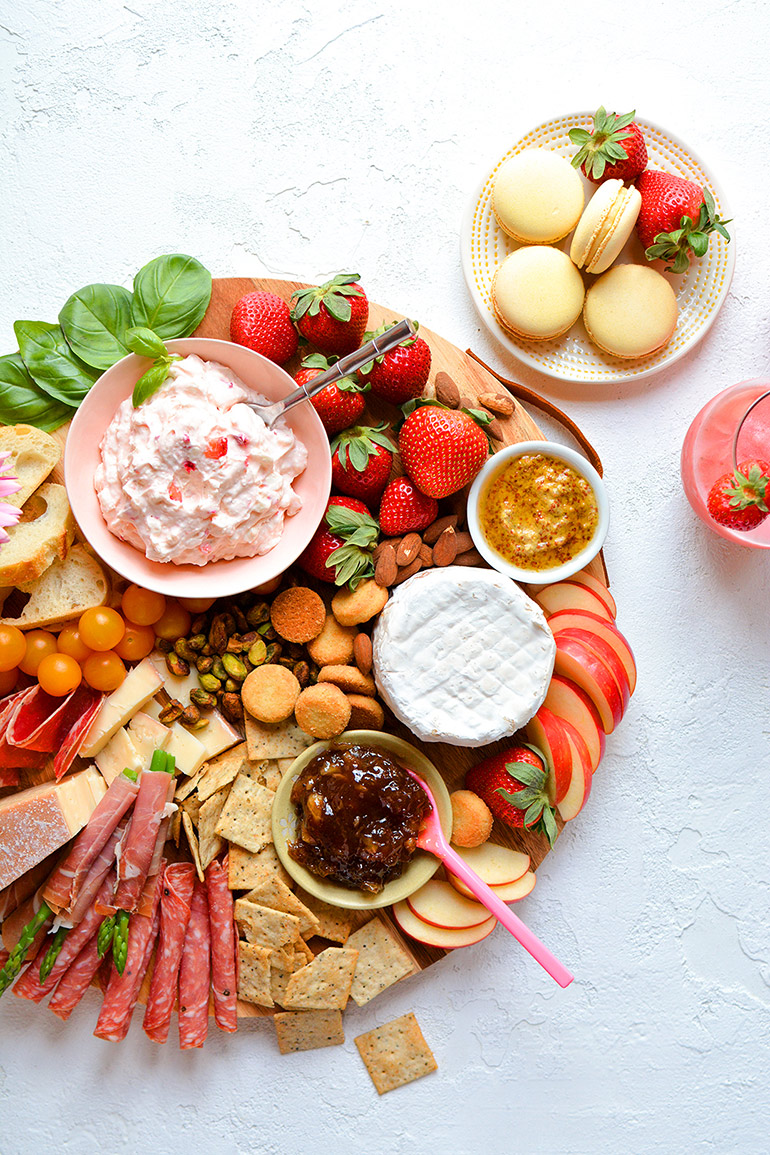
<point x="537" y="196"/>
<point x="334" y="644"/>
<point x="352" y="607"/>
<point x="537" y="293"/>
<point x="322" y="710"/>
<point x="365" y="713"/>
<point x="298" y="614"/>
<point x="471" y="818"/>
<point x="348" y="678"/>
<point x="631" y="311"/>
<point x="605" y="226"/>
<point x="269" y="693"/>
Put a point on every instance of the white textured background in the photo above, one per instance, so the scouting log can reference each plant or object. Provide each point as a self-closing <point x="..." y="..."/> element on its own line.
<point x="291" y="139"/>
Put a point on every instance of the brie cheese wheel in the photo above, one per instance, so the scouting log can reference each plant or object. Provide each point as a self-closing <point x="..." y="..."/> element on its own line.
<point x="462" y="655"/>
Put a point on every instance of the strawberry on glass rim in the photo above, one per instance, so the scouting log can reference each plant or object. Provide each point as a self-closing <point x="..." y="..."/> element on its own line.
<point x="676" y="219"/>
<point x="613" y="149"/>
<point x="741" y="500"/>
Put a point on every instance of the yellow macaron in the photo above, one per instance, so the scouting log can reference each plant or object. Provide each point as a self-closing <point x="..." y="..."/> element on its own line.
<point x="537" y="293"/>
<point x="631" y="311"/>
<point x="605" y="226"/>
<point x="537" y="196"/>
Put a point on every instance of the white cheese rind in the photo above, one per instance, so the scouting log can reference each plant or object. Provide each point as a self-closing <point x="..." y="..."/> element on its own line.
<point x="462" y="656"/>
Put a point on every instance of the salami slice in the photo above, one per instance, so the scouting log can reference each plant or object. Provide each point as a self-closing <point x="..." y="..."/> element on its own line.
<point x="223" y="946"/>
<point x="76" y="980"/>
<point x="91" y="886"/>
<point x="175" y="902"/>
<point x="195" y="973"/>
<point x="123" y="990"/>
<point x="155" y="790"/>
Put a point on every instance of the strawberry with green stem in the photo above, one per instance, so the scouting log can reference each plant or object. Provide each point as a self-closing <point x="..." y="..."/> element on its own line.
<point x="332" y="316"/>
<point x="442" y="449"/>
<point x="262" y="322"/>
<point x="741" y="500"/>
<point x="401" y="374"/>
<point x="613" y="149"/>
<point x="362" y="458"/>
<point x="338" y="405"/>
<point x="676" y="219"/>
<point x="340" y="550"/>
<point x="514" y="785"/>
<point x="404" y="508"/>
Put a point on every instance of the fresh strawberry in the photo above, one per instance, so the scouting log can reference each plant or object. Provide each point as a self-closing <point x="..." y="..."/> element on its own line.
<point x="340" y="551"/>
<point x="338" y="405"/>
<point x="401" y="374"/>
<point x="676" y="218"/>
<point x="614" y="148"/>
<point x="362" y="458"/>
<point x="442" y="449"/>
<point x="741" y="500"/>
<point x="514" y="785"/>
<point x="405" y="508"/>
<point x="332" y="316"/>
<point x="262" y="322"/>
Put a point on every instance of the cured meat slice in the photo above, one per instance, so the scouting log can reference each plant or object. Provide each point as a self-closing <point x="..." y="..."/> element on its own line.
<point x="195" y="973"/>
<point x="155" y="790"/>
<point x="175" y="904"/>
<point x="62" y="888"/>
<point x="9" y="777"/>
<point x="223" y="946"/>
<point x="42" y="722"/>
<point x="76" y="980"/>
<point x="90" y="888"/>
<point x="4" y="956"/>
<point x="67" y="751"/>
<point x="123" y="990"/>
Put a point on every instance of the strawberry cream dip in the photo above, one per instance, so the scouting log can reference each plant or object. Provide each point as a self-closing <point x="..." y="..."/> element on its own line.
<point x="192" y="475"/>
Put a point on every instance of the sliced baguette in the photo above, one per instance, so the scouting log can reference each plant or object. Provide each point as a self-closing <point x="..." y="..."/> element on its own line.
<point x="44" y="533"/>
<point x="66" y="590"/>
<point x="33" y="456"/>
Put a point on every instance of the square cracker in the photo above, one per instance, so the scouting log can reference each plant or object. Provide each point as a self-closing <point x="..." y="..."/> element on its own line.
<point x="334" y="922"/>
<point x="307" y="1030"/>
<point x="382" y="961"/>
<point x="254" y="974"/>
<point x="221" y="771"/>
<point x="265" y="927"/>
<point x="209" y="842"/>
<point x="284" y="740"/>
<point x="396" y="1053"/>
<point x="273" y="892"/>
<point x="247" y="870"/>
<point x="246" y="815"/>
<point x="324" y="984"/>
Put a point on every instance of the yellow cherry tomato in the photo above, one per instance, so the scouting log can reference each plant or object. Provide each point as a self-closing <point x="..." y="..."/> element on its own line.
<point x="71" y="643"/>
<point x="101" y="628"/>
<point x="197" y="605"/>
<point x="39" y="644"/>
<point x="8" y="680"/>
<point x="174" y="623"/>
<point x="142" y="607"/>
<point x="13" y="647"/>
<point x="136" y="643"/>
<point x="59" y="674"/>
<point x="104" y="671"/>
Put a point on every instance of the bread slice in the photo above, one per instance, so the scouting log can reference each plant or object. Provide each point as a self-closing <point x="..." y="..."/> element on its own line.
<point x="66" y="590"/>
<point x="33" y="456"/>
<point x="44" y="533"/>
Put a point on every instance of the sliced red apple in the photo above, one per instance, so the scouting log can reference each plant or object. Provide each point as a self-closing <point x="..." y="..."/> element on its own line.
<point x="440" y="936"/>
<point x="584" y="578"/>
<point x="440" y="904"/>
<point x="607" y="654"/>
<point x="496" y="865"/>
<point x="580" y="783"/>
<point x="546" y="732"/>
<point x="582" y="665"/>
<point x="607" y="631"/>
<point x="508" y="892"/>
<point x="567" y="701"/>
<point x="570" y="596"/>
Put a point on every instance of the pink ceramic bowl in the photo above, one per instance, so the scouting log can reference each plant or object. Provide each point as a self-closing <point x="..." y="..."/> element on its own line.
<point x="219" y="578"/>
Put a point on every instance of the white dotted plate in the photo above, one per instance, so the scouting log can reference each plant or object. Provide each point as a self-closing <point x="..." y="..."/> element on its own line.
<point x="700" y="291"/>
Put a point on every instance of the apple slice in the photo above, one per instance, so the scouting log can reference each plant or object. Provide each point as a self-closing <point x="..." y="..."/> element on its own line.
<point x="567" y="701"/>
<point x="570" y="596"/>
<point x="607" y="631"/>
<point x="596" y="586"/>
<point x="607" y="654"/>
<point x="508" y="891"/>
<point x="496" y="865"/>
<point x="445" y="937"/>
<point x="546" y="732"/>
<point x="582" y="665"/>
<point x="580" y="783"/>
<point x="440" y="904"/>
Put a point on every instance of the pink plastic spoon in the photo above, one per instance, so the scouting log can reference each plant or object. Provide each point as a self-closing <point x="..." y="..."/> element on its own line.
<point x="433" y="840"/>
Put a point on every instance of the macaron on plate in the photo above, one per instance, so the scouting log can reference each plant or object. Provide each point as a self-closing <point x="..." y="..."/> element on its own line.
<point x="572" y="356"/>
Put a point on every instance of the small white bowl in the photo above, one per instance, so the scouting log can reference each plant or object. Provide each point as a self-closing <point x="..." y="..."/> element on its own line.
<point x="581" y="466"/>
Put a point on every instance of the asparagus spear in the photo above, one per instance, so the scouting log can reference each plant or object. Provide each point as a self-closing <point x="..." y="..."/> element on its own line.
<point x="52" y="953"/>
<point x="120" y="940"/>
<point x="19" y="953"/>
<point x="104" y="936"/>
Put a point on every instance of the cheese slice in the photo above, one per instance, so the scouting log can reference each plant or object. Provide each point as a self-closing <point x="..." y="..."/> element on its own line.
<point x="148" y="735"/>
<point x="38" y="821"/>
<point x="118" y="755"/>
<point x="137" y="688"/>
<point x="219" y="735"/>
<point x="462" y="655"/>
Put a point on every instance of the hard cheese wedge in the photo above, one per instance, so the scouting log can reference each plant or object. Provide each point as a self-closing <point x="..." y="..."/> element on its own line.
<point x="118" y="755"/>
<point x="216" y="736"/>
<point x="35" y="822"/>
<point x="138" y="687"/>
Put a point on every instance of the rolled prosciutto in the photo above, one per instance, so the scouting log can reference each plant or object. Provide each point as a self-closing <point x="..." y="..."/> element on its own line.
<point x="156" y="788"/>
<point x="123" y="990"/>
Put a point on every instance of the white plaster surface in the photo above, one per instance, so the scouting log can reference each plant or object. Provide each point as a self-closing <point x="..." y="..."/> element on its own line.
<point x="299" y="139"/>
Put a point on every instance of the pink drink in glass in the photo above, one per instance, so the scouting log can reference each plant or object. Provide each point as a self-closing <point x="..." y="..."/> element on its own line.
<point x="707" y="452"/>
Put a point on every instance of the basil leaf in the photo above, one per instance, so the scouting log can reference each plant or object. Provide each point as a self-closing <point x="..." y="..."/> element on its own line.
<point x="22" y="401"/>
<point x="51" y="363"/>
<point x="95" y="320"/>
<point x="171" y="295"/>
<point x="150" y="382"/>
<point x="145" y="343"/>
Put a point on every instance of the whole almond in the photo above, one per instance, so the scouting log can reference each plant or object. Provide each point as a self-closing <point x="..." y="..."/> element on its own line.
<point x="497" y="403"/>
<point x="445" y="549"/>
<point x="388" y="541"/>
<point x="470" y="557"/>
<point x="408" y="549"/>
<point x="494" y="429"/>
<point x="362" y="652"/>
<point x="426" y="555"/>
<point x="463" y="541"/>
<point x="408" y="571"/>
<point x="434" y="532"/>
<point x="446" y="391"/>
<point x="468" y="403"/>
<point x="386" y="567"/>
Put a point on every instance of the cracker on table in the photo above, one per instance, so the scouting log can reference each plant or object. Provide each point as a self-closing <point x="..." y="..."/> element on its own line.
<point x="221" y="771"/>
<point x="245" y="818"/>
<point x="395" y="1054"/>
<point x="273" y="892"/>
<point x="272" y="776"/>
<point x="254" y="974"/>
<point x="192" y="842"/>
<point x="307" y="1030"/>
<point x="283" y="740"/>
<point x="209" y="842"/>
<point x="247" y="869"/>
<point x="302" y="951"/>
<point x="255" y="770"/>
<point x="175" y="827"/>
<point x="192" y="807"/>
<point x="334" y="922"/>
<point x="382" y="961"/>
<point x="283" y="963"/>
<point x="324" y="984"/>
<point x="265" y="927"/>
<point x="184" y="789"/>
